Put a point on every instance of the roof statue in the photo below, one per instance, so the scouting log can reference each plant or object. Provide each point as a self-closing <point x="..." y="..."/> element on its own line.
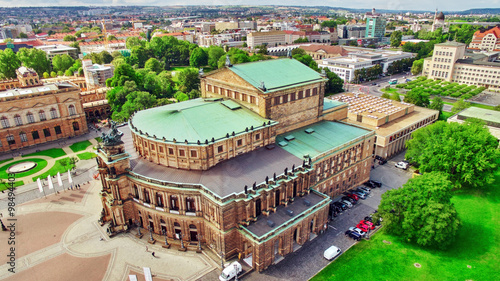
<point x="262" y="86"/>
<point x="113" y="136"/>
<point x="200" y="72"/>
<point x="289" y="53"/>
<point x="228" y="61"/>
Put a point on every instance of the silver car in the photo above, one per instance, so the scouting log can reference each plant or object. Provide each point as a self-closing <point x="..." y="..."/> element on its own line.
<point x="348" y="203"/>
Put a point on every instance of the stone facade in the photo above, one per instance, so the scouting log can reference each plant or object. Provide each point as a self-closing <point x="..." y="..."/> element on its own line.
<point x="39" y="117"/>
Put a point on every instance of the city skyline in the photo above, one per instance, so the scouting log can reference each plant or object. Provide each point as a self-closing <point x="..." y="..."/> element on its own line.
<point x="445" y="6"/>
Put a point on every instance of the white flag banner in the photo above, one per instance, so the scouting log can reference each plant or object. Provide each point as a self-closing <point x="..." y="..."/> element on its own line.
<point x="69" y="177"/>
<point x="39" y="183"/>
<point x="49" y="180"/>
<point x="59" y="180"/>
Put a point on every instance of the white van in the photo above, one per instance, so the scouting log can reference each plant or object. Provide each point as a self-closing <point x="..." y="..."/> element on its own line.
<point x="332" y="252"/>
<point x="230" y="271"/>
<point x="402" y="165"/>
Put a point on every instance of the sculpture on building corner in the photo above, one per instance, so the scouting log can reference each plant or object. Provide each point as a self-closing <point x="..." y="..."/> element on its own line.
<point x="113" y="136"/>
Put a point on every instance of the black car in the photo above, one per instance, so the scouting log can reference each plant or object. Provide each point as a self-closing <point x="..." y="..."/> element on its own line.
<point x="354" y="235"/>
<point x="375" y="183"/>
<point x="341" y="205"/>
<point x="369" y="184"/>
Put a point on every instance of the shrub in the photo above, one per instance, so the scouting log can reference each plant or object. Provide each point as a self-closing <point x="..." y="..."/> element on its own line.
<point x="467" y="96"/>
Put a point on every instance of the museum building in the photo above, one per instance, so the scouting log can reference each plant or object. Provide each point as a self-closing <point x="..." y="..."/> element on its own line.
<point x="249" y="169"/>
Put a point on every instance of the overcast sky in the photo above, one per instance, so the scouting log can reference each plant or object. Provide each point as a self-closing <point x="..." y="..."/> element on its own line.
<point x="441" y="5"/>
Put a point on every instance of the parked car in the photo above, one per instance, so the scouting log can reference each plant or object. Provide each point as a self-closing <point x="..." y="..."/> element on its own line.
<point x="368" y="223"/>
<point x="357" y="230"/>
<point x="363" y="227"/>
<point x="354" y="235"/>
<point x="401" y="165"/>
<point x="353" y="196"/>
<point x="331" y="253"/>
<point x="348" y="203"/>
<point x="368" y="218"/>
<point x="375" y="183"/>
<point x="349" y="199"/>
<point x="374" y="84"/>
<point x="341" y="205"/>
<point x="360" y="194"/>
<point x="369" y="184"/>
<point x="365" y="189"/>
<point x="230" y="272"/>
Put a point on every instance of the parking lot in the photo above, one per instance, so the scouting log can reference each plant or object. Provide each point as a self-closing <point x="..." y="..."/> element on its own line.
<point x="308" y="260"/>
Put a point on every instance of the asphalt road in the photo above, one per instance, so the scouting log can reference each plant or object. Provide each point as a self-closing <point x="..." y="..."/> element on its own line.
<point x="308" y="260"/>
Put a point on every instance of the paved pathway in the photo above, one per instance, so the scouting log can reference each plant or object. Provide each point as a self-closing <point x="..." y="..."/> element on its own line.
<point x="86" y="239"/>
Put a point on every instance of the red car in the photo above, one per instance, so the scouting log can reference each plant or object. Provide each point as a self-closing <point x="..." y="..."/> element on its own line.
<point x="368" y="224"/>
<point x="353" y="196"/>
<point x="363" y="227"/>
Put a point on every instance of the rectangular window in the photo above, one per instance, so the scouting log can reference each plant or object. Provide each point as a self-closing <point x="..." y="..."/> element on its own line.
<point x="253" y="100"/>
<point x="220" y="149"/>
<point x="18" y="120"/>
<point x="42" y="116"/>
<point x="301" y="94"/>
<point x="216" y="90"/>
<point x="152" y="147"/>
<point x="194" y="153"/>
<point x="285" y="98"/>
<point x="239" y="142"/>
<point x="182" y="153"/>
<point x="292" y="96"/>
<point x="58" y="130"/>
<point x="46" y="132"/>
<point x="315" y="91"/>
<point x="161" y="149"/>
<point x="257" y="136"/>
<point x="244" y="97"/>
<point x="23" y="137"/>
<point x="308" y="92"/>
<point x="276" y="100"/>
<point x="11" y="140"/>
<point x="170" y="151"/>
<point x="5" y="123"/>
<point x="209" y="88"/>
<point x="35" y="135"/>
<point x="31" y="118"/>
<point x="236" y="95"/>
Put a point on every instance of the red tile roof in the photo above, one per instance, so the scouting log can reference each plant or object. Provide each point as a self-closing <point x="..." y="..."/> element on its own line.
<point x="328" y="49"/>
<point x="495" y="31"/>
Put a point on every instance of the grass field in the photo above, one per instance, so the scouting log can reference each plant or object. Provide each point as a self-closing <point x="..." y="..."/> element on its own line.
<point x="86" y="155"/>
<point x="4" y="185"/>
<point x="53" y="171"/>
<point x="473" y="256"/>
<point x="390" y="91"/>
<point x="79" y="146"/>
<point x="53" y="152"/>
<point x="40" y="165"/>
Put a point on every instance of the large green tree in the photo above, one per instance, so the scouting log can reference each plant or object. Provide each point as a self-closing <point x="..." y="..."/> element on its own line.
<point x="467" y="152"/>
<point x="123" y="73"/>
<point x="421" y="211"/>
<point x="214" y="54"/>
<point x="189" y="80"/>
<point x="335" y="84"/>
<point x="154" y="65"/>
<point x="396" y="38"/>
<point x="35" y="59"/>
<point x="417" y="97"/>
<point x="437" y="104"/>
<point x="198" y="58"/>
<point x="459" y="106"/>
<point x="417" y="66"/>
<point x="8" y="63"/>
<point x="62" y="62"/>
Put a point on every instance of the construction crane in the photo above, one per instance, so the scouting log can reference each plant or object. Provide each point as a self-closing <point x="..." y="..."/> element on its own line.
<point x="106" y="47"/>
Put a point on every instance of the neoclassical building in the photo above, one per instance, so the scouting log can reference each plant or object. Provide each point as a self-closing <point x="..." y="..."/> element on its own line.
<point x="33" y="113"/>
<point x="250" y="168"/>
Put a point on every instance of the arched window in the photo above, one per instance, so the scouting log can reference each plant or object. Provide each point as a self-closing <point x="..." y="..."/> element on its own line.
<point x="23" y="137"/>
<point x="159" y="199"/>
<point x="5" y="122"/>
<point x="72" y="110"/>
<point x="42" y="116"/>
<point x="76" y="127"/>
<point x="18" y="120"/>
<point x="190" y="204"/>
<point x="174" y="203"/>
<point x="178" y="231"/>
<point x="146" y="196"/>
<point x="53" y="113"/>
<point x="30" y="117"/>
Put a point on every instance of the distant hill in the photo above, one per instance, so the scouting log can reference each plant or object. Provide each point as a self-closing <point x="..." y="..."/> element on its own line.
<point x="491" y="11"/>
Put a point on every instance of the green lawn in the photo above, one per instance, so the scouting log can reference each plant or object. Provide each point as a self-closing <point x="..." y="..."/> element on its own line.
<point x="4" y="185"/>
<point x="53" y="171"/>
<point x="445" y="115"/>
<point x="53" y="152"/>
<point x="79" y="146"/>
<point x="40" y="165"/>
<point x="86" y="155"/>
<point x="390" y="91"/>
<point x="477" y="245"/>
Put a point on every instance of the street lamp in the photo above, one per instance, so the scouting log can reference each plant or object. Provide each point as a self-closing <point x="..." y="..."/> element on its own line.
<point x="164" y="232"/>
<point x="199" y="236"/>
<point x="138" y="228"/>
<point x="221" y="260"/>
<point x="151" y="233"/>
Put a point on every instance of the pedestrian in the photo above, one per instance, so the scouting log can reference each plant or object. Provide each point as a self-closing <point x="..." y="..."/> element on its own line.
<point x="153" y="254"/>
<point x="147" y="249"/>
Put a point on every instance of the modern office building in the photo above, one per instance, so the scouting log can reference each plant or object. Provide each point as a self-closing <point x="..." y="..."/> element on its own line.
<point x="375" y="24"/>
<point x="247" y="170"/>
<point x="270" y="39"/>
<point x="54" y="50"/>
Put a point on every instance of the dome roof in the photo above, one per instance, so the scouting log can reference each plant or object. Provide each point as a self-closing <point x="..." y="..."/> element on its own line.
<point x="440" y="16"/>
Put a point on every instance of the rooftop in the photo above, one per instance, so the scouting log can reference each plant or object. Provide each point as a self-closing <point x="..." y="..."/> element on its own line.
<point x="371" y="106"/>
<point x="188" y="120"/>
<point x="262" y="229"/>
<point x="276" y="74"/>
<point x="451" y="44"/>
<point x="225" y="178"/>
<point x="321" y="137"/>
<point x="329" y="104"/>
<point x="36" y="90"/>
<point x="492" y="117"/>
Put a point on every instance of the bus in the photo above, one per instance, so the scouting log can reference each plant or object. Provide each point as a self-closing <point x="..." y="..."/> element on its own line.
<point x="393" y="81"/>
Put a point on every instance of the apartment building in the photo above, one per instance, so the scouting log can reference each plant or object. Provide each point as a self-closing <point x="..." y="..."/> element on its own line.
<point x="486" y="40"/>
<point x="270" y="38"/>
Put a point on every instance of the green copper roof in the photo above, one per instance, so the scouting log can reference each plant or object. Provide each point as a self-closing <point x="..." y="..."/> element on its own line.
<point x="196" y="120"/>
<point x="329" y="104"/>
<point x="276" y="74"/>
<point x="327" y="135"/>
<point x="491" y="117"/>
